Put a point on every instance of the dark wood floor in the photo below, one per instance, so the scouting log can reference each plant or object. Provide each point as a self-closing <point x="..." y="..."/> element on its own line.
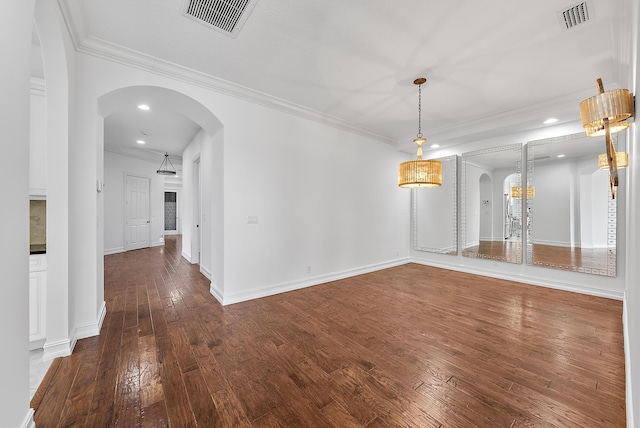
<point x="411" y="346"/>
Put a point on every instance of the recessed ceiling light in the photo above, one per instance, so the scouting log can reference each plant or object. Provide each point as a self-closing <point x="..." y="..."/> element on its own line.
<point x="560" y="156"/>
<point x="435" y="146"/>
<point x="144" y="107"/>
<point x="550" y="121"/>
<point x="141" y="142"/>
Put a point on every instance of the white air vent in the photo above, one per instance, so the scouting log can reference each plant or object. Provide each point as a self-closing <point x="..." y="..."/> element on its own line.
<point x="573" y="16"/>
<point x="226" y="16"/>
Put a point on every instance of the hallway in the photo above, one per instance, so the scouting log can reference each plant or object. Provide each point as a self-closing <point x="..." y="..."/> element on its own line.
<point x="410" y="346"/>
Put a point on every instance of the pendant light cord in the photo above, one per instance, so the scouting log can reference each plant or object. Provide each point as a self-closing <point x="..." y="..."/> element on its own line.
<point x="419" y="111"/>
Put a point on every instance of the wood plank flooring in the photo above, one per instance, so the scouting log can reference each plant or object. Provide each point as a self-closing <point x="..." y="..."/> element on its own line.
<point x="411" y="346"/>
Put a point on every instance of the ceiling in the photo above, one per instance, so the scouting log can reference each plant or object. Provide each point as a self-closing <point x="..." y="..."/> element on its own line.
<point x="493" y="67"/>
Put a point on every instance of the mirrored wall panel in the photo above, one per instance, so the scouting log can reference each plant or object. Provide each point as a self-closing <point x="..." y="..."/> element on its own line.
<point x="571" y="217"/>
<point x="491" y="204"/>
<point x="435" y="213"/>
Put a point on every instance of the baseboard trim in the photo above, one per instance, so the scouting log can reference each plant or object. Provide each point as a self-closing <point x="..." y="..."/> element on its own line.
<point x="60" y="348"/>
<point x="205" y="272"/>
<point x="215" y="292"/>
<point x="557" y="285"/>
<point x="186" y="256"/>
<point x="113" y="251"/>
<point x="157" y="243"/>
<point x="284" y="287"/>
<point x="627" y="361"/>
<point x="93" y="328"/>
<point x="28" y="421"/>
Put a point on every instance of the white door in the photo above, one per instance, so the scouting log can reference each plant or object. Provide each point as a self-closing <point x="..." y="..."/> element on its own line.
<point x="136" y="205"/>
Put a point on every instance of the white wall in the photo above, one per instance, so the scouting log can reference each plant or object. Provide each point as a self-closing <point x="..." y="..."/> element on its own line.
<point x="58" y="59"/>
<point x="327" y="203"/>
<point x="38" y="143"/>
<point x="115" y="168"/>
<point x="325" y="198"/>
<point x="16" y="20"/>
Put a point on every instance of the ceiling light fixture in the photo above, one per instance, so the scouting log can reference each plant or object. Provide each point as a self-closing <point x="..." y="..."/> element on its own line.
<point x="550" y="121"/>
<point x="435" y="146"/>
<point x="604" y="114"/>
<point x="144" y="107"/>
<point x="560" y="156"/>
<point x="164" y="166"/>
<point x="420" y="173"/>
<point x="141" y="142"/>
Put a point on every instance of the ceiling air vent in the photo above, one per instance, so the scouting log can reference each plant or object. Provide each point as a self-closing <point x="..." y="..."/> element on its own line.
<point x="573" y="16"/>
<point x="226" y="16"/>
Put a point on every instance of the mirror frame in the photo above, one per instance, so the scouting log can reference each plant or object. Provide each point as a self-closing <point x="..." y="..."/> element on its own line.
<point x="611" y="269"/>
<point x="452" y="163"/>
<point x="517" y="149"/>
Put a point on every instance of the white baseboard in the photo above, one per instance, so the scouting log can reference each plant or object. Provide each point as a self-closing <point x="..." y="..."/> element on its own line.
<point x="113" y="251"/>
<point x="627" y="362"/>
<point x="186" y="256"/>
<point x="60" y="348"/>
<point x="543" y="282"/>
<point x="93" y="328"/>
<point x="205" y="272"/>
<point x="64" y="348"/>
<point x="159" y="243"/>
<point x="215" y="292"/>
<point x="28" y="421"/>
<point x="270" y="290"/>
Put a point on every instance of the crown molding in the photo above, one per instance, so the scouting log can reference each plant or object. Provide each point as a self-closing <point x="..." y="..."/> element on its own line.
<point x="86" y="44"/>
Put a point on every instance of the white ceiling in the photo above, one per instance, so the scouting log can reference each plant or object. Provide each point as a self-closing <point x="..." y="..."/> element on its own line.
<point x="493" y="66"/>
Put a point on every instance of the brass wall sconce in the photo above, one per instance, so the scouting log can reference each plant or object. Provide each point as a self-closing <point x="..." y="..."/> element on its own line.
<point x="604" y="114"/>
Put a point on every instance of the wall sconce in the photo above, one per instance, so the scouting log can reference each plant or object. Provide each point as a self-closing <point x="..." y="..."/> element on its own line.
<point x="603" y="114"/>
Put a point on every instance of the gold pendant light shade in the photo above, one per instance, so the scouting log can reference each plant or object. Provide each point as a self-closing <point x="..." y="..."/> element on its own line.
<point x="516" y="192"/>
<point x="420" y="174"/>
<point x="616" y="105"/>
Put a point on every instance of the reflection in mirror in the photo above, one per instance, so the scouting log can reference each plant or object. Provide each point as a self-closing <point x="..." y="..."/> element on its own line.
<point x="571" y="217"/>
<point x="491" y="205"/>
<point x="435" y="213"/>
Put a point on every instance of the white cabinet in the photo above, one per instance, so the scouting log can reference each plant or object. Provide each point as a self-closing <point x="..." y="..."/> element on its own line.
<point x="37" y="300"/>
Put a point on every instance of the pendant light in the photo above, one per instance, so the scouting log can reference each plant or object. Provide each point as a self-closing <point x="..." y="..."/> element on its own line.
<point x="420" y="173"/>
<point x="164" y="166"/>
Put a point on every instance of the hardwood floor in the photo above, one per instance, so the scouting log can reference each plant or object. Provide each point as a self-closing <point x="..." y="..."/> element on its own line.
<point x="411" y="346"/>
